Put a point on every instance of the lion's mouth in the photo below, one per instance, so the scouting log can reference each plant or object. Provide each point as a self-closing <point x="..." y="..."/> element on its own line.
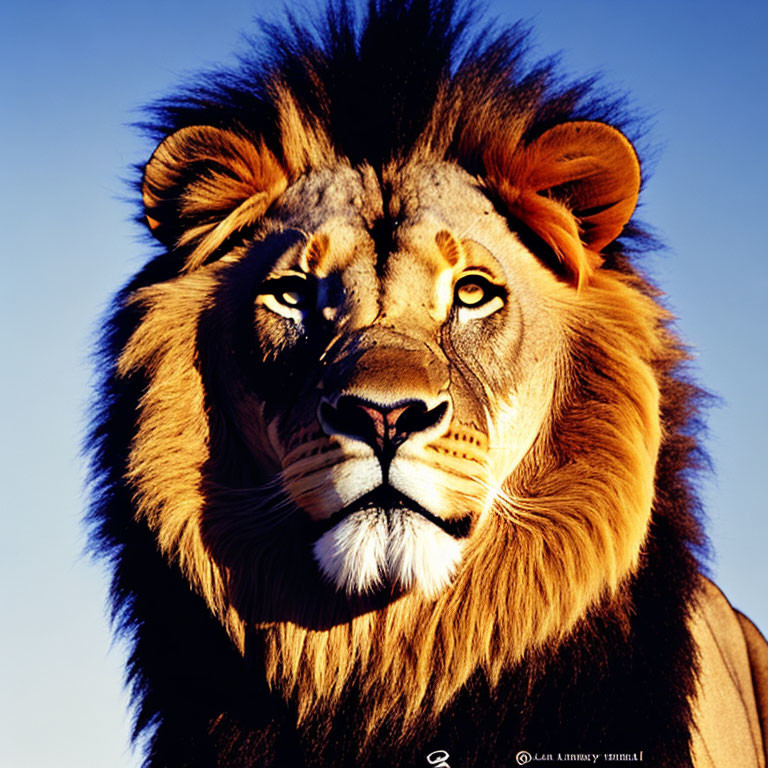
<point x="386" y="500"/>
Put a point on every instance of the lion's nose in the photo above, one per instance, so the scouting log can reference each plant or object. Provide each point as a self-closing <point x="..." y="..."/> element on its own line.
<point x="382" y="426"/>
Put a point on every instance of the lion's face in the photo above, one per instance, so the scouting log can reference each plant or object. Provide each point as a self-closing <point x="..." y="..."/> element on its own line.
<point x="374" y="421"/>
<point x="416" y="373"/>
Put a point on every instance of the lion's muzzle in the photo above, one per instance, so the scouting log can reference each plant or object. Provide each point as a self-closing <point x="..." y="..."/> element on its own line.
<point x="386" y="393"/>
<point x="383" y="426"/>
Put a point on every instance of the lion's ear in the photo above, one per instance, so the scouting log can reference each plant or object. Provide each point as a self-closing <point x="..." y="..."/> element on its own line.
<point x="202" y="184"/>
<point x="576" y="186"/>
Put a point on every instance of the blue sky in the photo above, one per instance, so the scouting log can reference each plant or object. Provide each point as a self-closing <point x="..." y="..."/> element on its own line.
<point x="75" y="73"/>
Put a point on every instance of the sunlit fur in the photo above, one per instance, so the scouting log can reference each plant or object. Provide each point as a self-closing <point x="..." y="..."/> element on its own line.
<point x="555" y="537"/>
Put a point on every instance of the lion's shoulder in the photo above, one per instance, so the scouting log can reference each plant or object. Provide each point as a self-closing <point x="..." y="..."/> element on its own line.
<point x="731" y="706"/>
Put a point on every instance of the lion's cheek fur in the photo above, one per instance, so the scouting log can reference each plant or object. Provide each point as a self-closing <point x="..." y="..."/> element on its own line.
<point x="568" y="525"/>
<point x="592" y="504"/>
<point x="171" y="446"/>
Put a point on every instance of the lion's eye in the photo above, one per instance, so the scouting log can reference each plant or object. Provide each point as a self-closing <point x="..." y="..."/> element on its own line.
<point x="291" y="291"/>
<point x="479" y="295"/>
<point x="291" y="298"/>
<point x="289" y="294"/>
<point x="471" y="292"/>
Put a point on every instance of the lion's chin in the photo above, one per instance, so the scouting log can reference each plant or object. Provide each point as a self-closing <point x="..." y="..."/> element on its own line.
<point x="373" y="549"/>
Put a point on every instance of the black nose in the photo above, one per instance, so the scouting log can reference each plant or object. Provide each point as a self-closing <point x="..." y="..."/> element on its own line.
<point x="383" y="427"/>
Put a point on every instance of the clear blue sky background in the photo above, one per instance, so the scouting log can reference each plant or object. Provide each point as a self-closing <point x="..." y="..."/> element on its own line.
<point x="73" y="74"/>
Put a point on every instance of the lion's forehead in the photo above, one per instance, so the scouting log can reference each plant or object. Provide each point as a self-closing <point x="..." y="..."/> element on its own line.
<point x="438" y="192"/>
<point x="340" y="194"/>
<point x="358" y="208"/>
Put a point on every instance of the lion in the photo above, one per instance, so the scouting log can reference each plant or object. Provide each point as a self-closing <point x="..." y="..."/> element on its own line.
<point x="395" y="447"/>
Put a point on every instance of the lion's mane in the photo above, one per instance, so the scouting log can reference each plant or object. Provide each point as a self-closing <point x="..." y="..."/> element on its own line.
<point x="591" y="539"/>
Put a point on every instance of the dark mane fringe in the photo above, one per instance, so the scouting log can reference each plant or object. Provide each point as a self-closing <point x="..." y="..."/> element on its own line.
<point x="376" y="104"/>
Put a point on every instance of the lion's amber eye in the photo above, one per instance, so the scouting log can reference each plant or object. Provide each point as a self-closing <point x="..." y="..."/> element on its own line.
<point x="476" y="297"/>
<point x="470" y="294"/>
<point x="474" y="291"/>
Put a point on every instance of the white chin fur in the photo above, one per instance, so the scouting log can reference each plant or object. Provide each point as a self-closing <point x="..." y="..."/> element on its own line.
<point x="401" y="547"/>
